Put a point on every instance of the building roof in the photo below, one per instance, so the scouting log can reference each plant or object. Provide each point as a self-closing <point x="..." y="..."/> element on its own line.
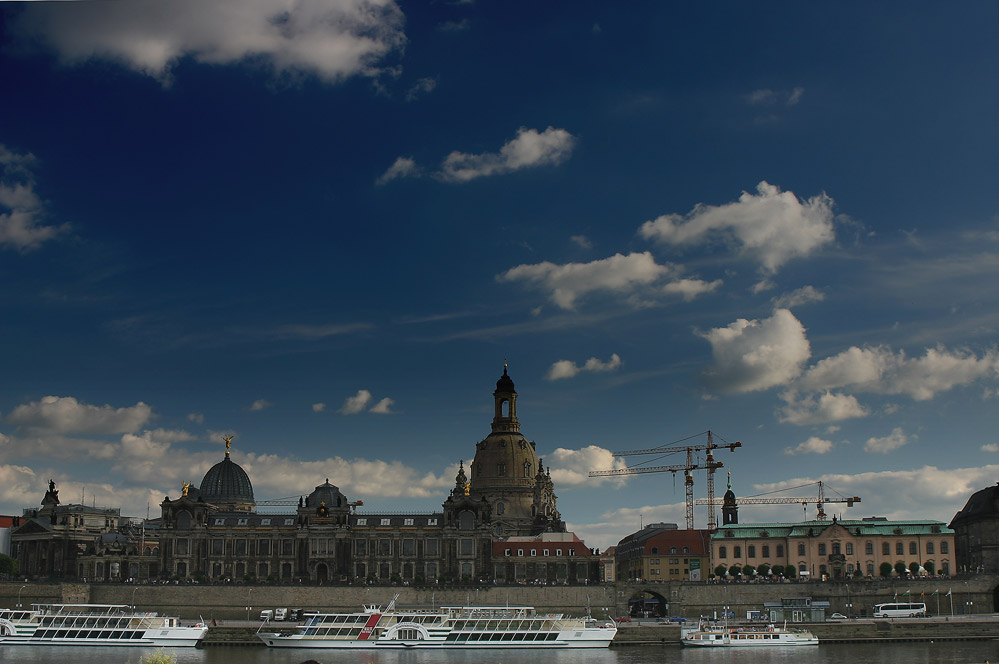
<point x="983" y="504"/>
<point x="813" y="528"/>
<point x="226" y="482"/>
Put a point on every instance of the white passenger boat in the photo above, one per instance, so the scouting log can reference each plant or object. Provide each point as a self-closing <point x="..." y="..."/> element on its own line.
<point x="94" y="625"/>
<point x="723" y="636"/>
<point x="446" y="627"/>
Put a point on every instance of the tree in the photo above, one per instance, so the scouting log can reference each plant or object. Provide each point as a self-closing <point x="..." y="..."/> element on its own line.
<point x="748" y="570"/>
<point x="735" y="571"/>
<point x="914" y="569"/>
<point x="929" y="567"/>
<point x="763" y="570"/>
<point x="720" y="571"/>
<point x="790" y="572"/>
<point x="885" y="569"/>
<point x="858" y="574"/>
<point x="900" y="568"/>
<point x="8" y="565"/>
<point x="778" y="570"/>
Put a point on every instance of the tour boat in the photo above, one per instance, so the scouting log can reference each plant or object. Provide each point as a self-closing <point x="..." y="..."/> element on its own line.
<point x="445" y="628"/>
<point x="723" y="636"/>
<point x="94" y="625"/>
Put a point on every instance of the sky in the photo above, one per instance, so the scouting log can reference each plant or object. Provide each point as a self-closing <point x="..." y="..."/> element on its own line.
<point x="322" y="227"/>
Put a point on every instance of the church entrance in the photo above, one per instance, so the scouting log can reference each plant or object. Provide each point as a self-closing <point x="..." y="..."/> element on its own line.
<point x="322" y="574"/>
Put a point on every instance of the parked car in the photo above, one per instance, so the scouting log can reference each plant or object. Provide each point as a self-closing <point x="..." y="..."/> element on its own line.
<point x="677" y="619"/>
<point x="837" y="616"/>
<point x="622" y="620"/>
<point x="266" y="615"/>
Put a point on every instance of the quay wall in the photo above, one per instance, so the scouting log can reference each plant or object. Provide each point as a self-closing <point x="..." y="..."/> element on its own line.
<point x="975" y="595"/>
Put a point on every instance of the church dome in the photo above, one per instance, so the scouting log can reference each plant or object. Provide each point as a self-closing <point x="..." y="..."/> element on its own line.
<point x="505" y="383"/>
<point x="226" y="482"/>
<point x="327" y="494"/>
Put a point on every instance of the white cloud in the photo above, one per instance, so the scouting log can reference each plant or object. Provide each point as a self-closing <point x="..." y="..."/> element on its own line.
<point x="880" y="370"/>
<point x="803" y="295"/>
<point x="751" y="355"/>
<point x="423" y="86"/>
<point x="813" y="445"/>
<point x="892" y="441"/>
<point x="828" y="407"/>
<point x="21" y="211"/>
<point x="689" y="289"/>
<point x="569" y="282"/>
<point x="67" y="415"/>
<point x="318" y="407"/>
<point x="990" y="447"/>
<point x="197" y="418"/>
<point x="772" y="227"/>
<point x="331" y="40"/>
<point x="260" y="404"/>
<point x="383" y="407"/>
<point x="16" y="482"/>
<point x="529" y="149"/>
<point x="569" y="369"/>
<point x="581" y="241"/>
<point x="356" y="403"/>
<point x="572" y="467"/>
<point x="402" y="167"/>
<point x="768" y="97"/>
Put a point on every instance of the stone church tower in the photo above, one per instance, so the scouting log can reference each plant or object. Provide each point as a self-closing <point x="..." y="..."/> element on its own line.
<point x="507" y="473"/>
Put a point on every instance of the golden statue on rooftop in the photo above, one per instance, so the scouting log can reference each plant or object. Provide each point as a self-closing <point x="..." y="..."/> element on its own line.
<point x="228" y="443"/>
<point x="187" y="485"/>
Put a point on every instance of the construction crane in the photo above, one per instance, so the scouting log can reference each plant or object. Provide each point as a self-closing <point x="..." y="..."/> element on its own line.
<point x="820" y="501"/>
<point x="709" y="465"/>
<point x="292" y="501"/>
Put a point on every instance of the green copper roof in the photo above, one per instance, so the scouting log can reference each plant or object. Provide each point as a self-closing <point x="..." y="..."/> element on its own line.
<point x="815" y="528"/>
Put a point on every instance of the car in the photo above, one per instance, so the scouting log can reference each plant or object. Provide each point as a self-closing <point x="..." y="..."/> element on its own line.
<point x="837" y="616"/>
<point x="622" y="620"/>
<point x="677" y="619"/>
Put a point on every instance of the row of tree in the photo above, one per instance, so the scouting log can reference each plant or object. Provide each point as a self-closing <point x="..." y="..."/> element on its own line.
<point x="789" y="571"/>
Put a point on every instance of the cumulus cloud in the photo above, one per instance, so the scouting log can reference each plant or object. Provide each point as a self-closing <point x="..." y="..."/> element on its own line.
<point x="813" y="445"/>
<point x="423" y="86"/>
<point x="21" y="210"/>
<point x="689" y="289"/>
<point x="383" y="407"/>
<point x="331" y="40"/>
<point x="827" y="407"/>
<point x="569" y="282"/>
<point x="771" y="226"/>
<point x="318" y="407"/>
<point x="751" y="355"/>
<point x="572" y="467"/>
<point x="768" y="97"/>
<point x="16" y="482"/>
<point x="260" y="404"/>
<point x="569" y="369"/>
<point x="530" y="148"/>
<point x="357" y="403"/>
<point x="882" y="371"/>
<point x="804" y="295"/>
<point x="67" y="415"/>
<point x="892" y="441"/>
<point x="402" y="167"/>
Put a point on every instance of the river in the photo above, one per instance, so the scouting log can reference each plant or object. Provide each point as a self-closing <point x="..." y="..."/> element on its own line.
<point x="951" y="652"/>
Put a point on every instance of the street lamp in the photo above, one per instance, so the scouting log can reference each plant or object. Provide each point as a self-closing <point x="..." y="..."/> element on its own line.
<point x="248" y="607"/>
<point x="133" y="597"/>
<point x="19" y="596"/>
<point x="849" y="604"/>
<point x="967" y="598"/>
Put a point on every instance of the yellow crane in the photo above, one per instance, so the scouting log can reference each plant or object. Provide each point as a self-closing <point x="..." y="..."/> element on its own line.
<point x="820" y="500"/>
<point x="709" y="465"/>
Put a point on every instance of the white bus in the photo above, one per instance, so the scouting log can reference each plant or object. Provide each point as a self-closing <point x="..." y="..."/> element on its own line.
<point x="899" y="610"/>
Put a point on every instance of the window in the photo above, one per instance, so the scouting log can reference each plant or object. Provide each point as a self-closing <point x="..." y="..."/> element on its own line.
<point x="572" y="552"/>
<point x="943" y="548"/>
<point x="849" y="548"/>
<point x="870" y="569"/>
<point x="520" y="552"/>
<point x="289" y="521"/>
<point x="241" y="547"/>
<point x="534" y="552"/>
<point x="407" y="522"/>
<point x="885" y="549"/>
<point x="219" y="522"/>
<point x="287" y="547"/>
<point x="780" y="550"/>
<point x="751" y="551"/>
<point x="362" y="521"/>
<point x="737" y="551"/>
<point x="264" y="548"/>
<point x="655" y="550"/>
<point x="545" y="551"/>
<point x="672" y="549"/>
<point x="466" y="521"/>
<point x="431" y="547"/>
<point x="501" y="469"/>
<point x="218" y="545"/>
<point x="944" y="566"/>
<point x="836" y="548"/>
<point x="766" y="550"/>
<point x="431" y="522"/>
<point x="182" y="546"/>
<point x="558" y="552"/>
<point x="241" y="522"/>
<point x="265" y="522"/>
<point x="822" y="548"/>
<point x="899" y="549"/>
<point x="409" y="547"/>
<point x="384" y="547"/>
<point x="801" y="549"/>
<point x="686" y="549"/>
<point x="466" y="546"/>
<point x="386" y="522"/>
<point x="361" y="547"/>
<point x="929" y="548"/>
<point x="506" y="552"/>
<point x="913" y="549"/>
<point x="869" y="548"/>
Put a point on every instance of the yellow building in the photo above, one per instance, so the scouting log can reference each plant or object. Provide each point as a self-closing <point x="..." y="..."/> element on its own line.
<point x="836" y="549"/>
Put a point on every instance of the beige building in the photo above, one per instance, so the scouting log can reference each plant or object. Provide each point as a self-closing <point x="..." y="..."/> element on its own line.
<point x="836" y="549"/>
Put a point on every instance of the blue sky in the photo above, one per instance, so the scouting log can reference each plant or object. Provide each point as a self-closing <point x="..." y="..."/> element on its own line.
<point x="323" y="226"/>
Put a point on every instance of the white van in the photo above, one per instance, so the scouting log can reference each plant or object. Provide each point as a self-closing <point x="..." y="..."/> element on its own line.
<point x="280" y="614"/>
<point x="266" y="615"/>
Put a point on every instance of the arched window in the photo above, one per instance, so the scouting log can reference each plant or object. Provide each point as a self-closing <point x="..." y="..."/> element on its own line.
<point x="183" y="520"/>
<point x="672" y="549"/>
<point x="466" y="521"/>
<point x="836" y="548"/>
<point x="722" y="552"/>
<point x="655" y="550"/>
<point x="737" y="551"/>
<point x="527" y="469"/>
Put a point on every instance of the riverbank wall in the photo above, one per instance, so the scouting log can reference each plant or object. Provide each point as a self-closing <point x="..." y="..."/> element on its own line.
<point x="974" y="595"/>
